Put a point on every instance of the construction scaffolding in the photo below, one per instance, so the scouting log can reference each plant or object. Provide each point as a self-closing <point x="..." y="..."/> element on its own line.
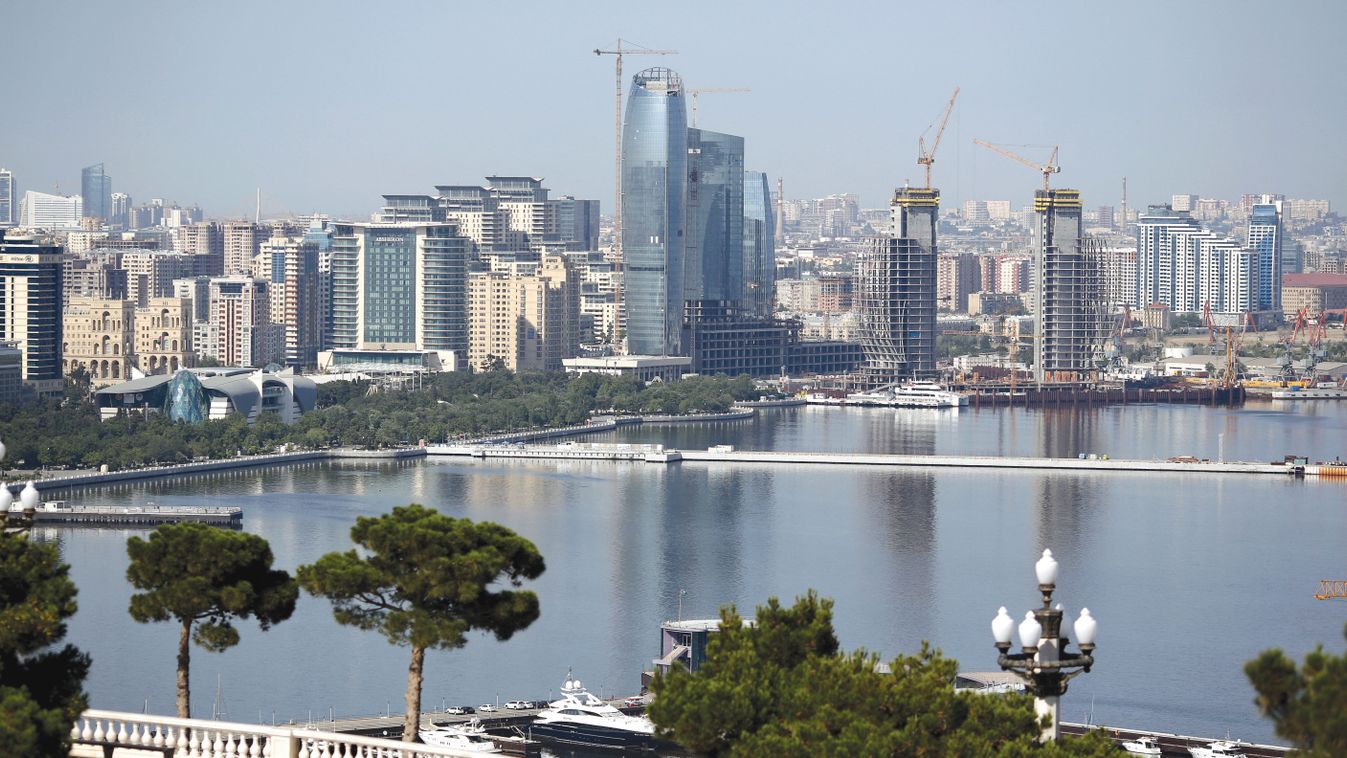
<point x="1073" y="312"/>
<point x="895" y="293"/>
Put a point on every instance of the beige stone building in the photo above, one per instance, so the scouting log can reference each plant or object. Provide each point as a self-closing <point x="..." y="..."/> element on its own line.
<point x="164" y="336"/>
<point x="528" y="322"/>
<point x="98" y="335"/>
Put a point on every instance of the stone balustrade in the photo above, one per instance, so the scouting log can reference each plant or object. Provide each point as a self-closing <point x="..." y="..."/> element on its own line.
<point x="101" y="733"/>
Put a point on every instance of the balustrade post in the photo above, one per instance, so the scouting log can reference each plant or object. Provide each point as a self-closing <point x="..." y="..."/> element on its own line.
<point x="283" y="747"/>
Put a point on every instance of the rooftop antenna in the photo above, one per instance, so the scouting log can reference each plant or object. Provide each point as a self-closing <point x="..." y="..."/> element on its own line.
<point x="257" y="214"/>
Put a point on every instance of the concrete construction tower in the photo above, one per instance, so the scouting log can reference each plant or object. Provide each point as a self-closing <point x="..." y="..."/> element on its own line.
<point x="1068" y="291"/>
<point x="896" y="292"/>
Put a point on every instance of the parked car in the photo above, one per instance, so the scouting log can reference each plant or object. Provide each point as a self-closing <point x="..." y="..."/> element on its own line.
<point x="518" y="705"/>
<point x="458" y="710"/>
<point x="541" y="704"/>
<point x="486" y="708"/>
<point x="633" y="702"/>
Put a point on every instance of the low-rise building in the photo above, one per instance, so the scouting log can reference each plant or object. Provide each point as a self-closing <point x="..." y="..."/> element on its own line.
<point x="645" y="368"/>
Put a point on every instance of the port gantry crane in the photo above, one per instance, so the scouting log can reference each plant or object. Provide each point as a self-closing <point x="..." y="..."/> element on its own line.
<point x="617" y="54"/>
<point x="699" y="90"/>
<point x="927" y="157"/>
<point x="1046" y="169"/>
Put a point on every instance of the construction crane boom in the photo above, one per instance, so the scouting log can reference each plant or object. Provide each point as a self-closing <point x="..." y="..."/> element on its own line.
<point x="927" y="157"/>
<point x="1046" y="169"/>
<point x="699" y="90"/>
<point x="617" y="54"/>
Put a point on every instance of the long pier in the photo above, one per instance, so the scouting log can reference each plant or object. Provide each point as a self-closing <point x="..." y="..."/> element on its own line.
<point x="115" y="515"/>
<point x="726" y="454"/>
<point x="1175" y="744"/>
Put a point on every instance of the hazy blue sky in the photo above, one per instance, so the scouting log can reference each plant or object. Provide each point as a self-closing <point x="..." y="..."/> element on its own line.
<point x="328" y="105"/>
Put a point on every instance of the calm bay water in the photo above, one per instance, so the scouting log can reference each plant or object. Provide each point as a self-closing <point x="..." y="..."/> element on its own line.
<point x="1189" y="575"/>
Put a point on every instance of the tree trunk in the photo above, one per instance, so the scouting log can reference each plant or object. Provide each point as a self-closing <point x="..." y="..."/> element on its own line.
<point x="184" y="666"/>
<point x="412" y="721"/>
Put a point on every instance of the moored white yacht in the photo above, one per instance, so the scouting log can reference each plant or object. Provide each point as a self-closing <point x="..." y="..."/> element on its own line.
<point x="1217" y="749"/>
<point x="1148" y="746"/>
<point x="580" y="718"/>
<point x="469" y="738"/>
<point x="915" y="394"/>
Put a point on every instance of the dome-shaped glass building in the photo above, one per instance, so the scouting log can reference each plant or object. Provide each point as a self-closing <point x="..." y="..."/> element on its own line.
<point x="186" y="400"/>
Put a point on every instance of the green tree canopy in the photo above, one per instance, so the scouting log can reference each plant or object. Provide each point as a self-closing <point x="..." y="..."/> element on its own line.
<point x="780" y="687"/>
<point x="425" y="581"/>
<point x="206" y="577"/>
<point x="1308" y="704"/>
<point x="41" y="690"/>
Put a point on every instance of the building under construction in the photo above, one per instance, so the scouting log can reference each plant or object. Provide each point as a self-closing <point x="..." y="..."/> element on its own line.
<point x="1071" y="304"/>
<point x="895" y="292"/>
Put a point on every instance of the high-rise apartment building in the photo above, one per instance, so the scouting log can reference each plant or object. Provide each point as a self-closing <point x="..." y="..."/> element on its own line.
<point x="44" y="211"/>
<point x="242" y="241"/>
<point x="957" y="275"/>
<point x="759" y="244"/>
<point x="291" y="265"/>
<point x="8" y="213"/>
<point x="96" y="189"/>
<point x="1265" y="237"/>
<point x="527" y="322"/>
<point x="121" y="211"/>
<point x="1183" y="203"/>
<point x="654" y="178"/>
<point x="240" y="312"/>
<point x="31" y="307"/>
<point x="1189" y="269"/>
<point x="1068" y="290"/>
<point x="205" y="239"/>
<point x="98" y="335"/>
<point x="400" y="286"/>
<point x="896" y="291"/>
<point x="151" y="274"/>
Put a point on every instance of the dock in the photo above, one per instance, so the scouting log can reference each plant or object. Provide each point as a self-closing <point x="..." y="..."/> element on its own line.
<point x="58" y="513"/>
<point x="726" y="454"/>
<point x="1175" y="744"/>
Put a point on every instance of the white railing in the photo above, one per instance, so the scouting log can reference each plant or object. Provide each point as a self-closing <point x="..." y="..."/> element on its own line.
<point x="147" y="735"/>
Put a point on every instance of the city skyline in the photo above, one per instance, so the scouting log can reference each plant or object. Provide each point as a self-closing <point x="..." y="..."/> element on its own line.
<point x="185" y="133"/>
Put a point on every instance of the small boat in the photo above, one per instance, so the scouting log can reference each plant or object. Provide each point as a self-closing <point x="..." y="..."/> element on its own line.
<point x="1217" y="749"/>
<point x="580" y="718"/>
<point x="469" y="738"/>
<point x="1142" y="746"/>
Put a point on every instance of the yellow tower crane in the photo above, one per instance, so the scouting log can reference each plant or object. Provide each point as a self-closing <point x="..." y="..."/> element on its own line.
<point x="926" y="157"/>
<point x="700" y="90"/>
<point x="1046" y="169"/>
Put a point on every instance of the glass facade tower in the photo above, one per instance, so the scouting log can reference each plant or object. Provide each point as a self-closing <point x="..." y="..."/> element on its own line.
<point x="96" y="189"/>
<point x="714" y="260"/>
<point x="399" y="286"/>
<point x="654" y="177"/>
<point x="759" y="244"/>
<point x="1265" y="236"/>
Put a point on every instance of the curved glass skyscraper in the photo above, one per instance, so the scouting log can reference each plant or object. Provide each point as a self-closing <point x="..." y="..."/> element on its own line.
<point x="654" y="178"/>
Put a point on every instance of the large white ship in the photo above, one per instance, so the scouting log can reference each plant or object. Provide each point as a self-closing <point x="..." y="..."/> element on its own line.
<point x="918" y="394"/>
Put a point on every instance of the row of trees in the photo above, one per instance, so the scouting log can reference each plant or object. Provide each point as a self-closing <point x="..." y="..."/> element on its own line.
<point x="352" y="414"/>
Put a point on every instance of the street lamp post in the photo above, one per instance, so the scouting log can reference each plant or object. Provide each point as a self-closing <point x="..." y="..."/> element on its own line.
<point x="1045" y="665"/>
<point x="17" y="514"/>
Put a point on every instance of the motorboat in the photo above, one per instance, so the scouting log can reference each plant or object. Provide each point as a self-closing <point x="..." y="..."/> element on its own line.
<point x="469" y="738"/>
<point x="580" y="718"/>
<point x="1142" y="746"/>
<point x="1217" y="749"/>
